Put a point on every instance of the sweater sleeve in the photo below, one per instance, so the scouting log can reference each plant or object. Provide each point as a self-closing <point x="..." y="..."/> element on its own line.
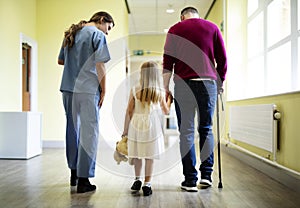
<point x="220" y="55"/>
<point x="169" y="54"/>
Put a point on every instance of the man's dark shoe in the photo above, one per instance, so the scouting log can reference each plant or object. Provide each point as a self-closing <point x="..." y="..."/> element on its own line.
<point x="189" y="186"/>
<point x="205" y="181"/>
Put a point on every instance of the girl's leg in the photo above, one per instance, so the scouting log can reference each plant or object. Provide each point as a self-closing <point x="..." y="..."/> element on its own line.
<point x="136" y="186"/>
<point x="148" y="176"/>
<point x="148" y="170"/>
<point x="137" y="167"/>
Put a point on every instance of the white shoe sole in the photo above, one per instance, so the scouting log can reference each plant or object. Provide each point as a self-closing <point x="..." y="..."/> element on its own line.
<point x="205" y="182"/>
<point x="189" y="189"/>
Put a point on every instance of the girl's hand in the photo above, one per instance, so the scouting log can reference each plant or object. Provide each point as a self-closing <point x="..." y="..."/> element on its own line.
<point x="169" y="99"/>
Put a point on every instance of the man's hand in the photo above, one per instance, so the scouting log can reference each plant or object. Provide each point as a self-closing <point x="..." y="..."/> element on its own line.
<point x="220" y="90"/>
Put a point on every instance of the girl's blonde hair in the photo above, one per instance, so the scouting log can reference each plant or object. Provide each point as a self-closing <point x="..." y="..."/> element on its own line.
<point x="151" y="83"/>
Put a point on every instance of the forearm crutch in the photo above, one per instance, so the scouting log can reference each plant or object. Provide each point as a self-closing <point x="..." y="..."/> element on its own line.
<point x="218" y="136"/>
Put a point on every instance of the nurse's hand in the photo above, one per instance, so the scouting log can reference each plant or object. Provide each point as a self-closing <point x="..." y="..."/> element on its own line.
<point x="101" y="99"/>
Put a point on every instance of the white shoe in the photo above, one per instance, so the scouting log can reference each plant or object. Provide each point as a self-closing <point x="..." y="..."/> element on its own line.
<point x="205" y="182"/>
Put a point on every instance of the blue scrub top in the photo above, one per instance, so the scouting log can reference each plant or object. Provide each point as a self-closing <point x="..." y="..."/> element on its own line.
<point x="80" y="75"/>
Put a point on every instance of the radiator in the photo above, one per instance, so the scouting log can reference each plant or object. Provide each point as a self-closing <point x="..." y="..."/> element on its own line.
<point x="255" y="125"/>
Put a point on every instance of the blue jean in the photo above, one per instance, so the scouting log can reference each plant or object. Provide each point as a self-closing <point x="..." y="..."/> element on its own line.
<point x="193" y="97"/>
<point x="82" y="131"/>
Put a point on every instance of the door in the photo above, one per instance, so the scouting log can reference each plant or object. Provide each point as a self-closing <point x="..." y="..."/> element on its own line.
<point x="26" y="65"/>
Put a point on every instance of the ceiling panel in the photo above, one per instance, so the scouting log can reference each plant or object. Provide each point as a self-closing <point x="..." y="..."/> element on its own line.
<point x="150" y="16"/>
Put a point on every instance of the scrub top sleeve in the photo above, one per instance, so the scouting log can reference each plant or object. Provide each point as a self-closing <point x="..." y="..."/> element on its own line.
<point x="100" y="47"/>
<point x="61" y="55"/>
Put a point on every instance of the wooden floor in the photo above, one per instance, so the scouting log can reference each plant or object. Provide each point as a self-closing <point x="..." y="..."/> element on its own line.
<point x="43" y="181"/>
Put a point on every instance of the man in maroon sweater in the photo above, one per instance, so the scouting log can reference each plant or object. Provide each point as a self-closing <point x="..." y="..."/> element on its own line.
<point x="194" y="52"/>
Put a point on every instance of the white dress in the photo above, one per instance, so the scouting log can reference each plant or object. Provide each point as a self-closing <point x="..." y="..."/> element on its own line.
<point x="145" y="134"/>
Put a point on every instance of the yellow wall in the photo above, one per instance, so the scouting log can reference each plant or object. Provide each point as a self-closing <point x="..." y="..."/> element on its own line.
<point x="54" y="17"/>
<point x="288" y="104"/>
<point x="16" y="16"/>
<point x="216" y="14"/>
<point x="146" y="42"/>
<point x="155" y="43"/>
<point x="45" y="21"/>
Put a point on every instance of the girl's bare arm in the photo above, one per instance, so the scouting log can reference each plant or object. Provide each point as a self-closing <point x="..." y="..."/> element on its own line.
<point x="129" y="113"/>
<point x="165" y="105"/>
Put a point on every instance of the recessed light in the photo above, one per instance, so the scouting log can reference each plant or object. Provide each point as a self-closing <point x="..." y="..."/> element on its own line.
<point x="170" y="11"/>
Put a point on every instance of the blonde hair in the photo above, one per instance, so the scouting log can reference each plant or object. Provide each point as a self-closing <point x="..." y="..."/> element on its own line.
<point x="151" y="83"/>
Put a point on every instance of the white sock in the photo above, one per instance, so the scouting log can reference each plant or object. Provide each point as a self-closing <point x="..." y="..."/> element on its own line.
<point x="147" y="184"/>
<point x="138" y="178"/>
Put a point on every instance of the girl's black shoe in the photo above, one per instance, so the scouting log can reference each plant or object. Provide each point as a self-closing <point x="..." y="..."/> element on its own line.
<point x="136" y="186"/>
<point x="147" y="190"/>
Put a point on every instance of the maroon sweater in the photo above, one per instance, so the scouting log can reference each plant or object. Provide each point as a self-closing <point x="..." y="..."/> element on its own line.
<point x="195" y="48"/>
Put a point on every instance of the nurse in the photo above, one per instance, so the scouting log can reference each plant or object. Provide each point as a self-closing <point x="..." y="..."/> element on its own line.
<point x="83" y="53"/>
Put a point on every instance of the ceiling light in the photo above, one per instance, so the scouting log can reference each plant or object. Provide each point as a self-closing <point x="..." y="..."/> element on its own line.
<point x="170" y="10"/>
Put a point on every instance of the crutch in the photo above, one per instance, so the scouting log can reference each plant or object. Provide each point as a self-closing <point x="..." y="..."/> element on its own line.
<point x="218" y="135"/>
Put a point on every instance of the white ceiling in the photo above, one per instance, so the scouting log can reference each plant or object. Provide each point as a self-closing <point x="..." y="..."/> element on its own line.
<point x="150" y="16"/>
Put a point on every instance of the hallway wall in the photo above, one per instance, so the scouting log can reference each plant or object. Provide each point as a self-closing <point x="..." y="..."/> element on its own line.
<point x="287" y="103"/>
<point x="54" y="17"/>
<point x="45" y="21"/>
<point x="16" y="17"/>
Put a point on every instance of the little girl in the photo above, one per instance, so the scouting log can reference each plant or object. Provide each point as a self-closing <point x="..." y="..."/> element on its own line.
<point x="143" y="124"/>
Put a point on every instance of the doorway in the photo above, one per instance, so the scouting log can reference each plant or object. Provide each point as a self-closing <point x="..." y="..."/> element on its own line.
<point x="26" y="77"/>
<point x="28" y="74"/>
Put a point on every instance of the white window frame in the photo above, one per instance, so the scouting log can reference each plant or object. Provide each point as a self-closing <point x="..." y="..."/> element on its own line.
<point x="293" y="38"/>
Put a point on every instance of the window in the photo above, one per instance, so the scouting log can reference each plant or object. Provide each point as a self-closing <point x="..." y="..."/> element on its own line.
<point x="279" y="70"/>
<point x="269" y="48"/>
<point x="255" y="78"/>
<point x="256" y="36"/>
<point x="298" y="71"/>
<point x="279" y="21"/>
<point x="298" y="15"/>
<point x="252" y="7"/>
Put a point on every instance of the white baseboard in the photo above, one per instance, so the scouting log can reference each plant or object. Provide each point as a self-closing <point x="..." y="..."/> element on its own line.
<point x="290" y="179"/>
<point x="54" y="144"/>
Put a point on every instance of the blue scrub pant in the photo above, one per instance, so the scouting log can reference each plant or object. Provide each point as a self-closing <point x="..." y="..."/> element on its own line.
<point x="82" y="114"/>
<point x="191" y="97"/>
